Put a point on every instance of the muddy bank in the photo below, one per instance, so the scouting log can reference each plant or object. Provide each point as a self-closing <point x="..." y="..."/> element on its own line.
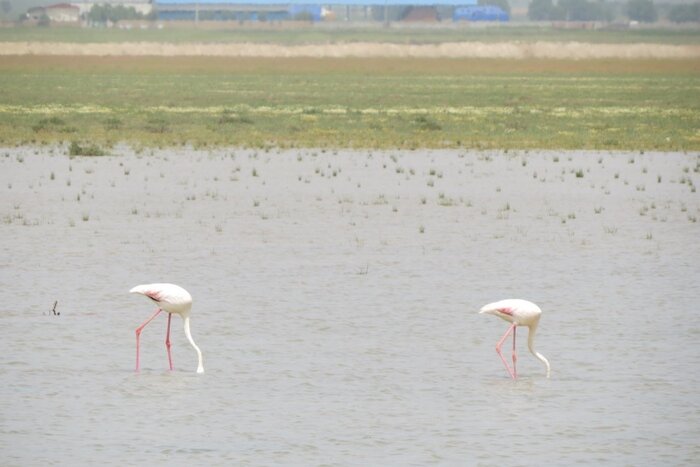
<point x="504" y="50"/>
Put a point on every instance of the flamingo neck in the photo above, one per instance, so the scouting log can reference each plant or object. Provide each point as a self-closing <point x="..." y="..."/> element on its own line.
<point x="531" y="346"/>
<point x="200" y="366"/>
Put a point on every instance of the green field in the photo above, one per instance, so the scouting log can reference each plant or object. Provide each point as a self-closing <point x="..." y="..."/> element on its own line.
<point x="377" y="103"/>
<point x="310" y="34"/>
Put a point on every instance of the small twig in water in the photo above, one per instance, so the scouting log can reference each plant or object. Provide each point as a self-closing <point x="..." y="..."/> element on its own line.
<point x="53" y="310"/>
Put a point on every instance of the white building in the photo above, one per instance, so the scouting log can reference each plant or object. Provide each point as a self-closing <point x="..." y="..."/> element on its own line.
<point x="58" y="13"/>
<point x="141" y="6"/>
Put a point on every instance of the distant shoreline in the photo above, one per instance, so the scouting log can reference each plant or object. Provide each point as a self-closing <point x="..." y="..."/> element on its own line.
<point x="500" y="50"/>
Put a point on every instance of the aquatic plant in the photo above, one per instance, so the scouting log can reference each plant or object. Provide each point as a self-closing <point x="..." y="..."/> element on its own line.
<point x="77" y="149"/>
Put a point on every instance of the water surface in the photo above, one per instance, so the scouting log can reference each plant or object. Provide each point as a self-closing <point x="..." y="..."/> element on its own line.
<point x="335" y="303"/>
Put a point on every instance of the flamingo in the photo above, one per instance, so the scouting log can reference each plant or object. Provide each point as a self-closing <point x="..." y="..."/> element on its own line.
<point x="519" y="313"/>
<point x="173" y="299"/>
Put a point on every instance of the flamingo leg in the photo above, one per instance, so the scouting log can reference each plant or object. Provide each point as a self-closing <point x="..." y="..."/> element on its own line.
<point x="515" y="356"/>
<point x="167" y="342"/>
<point x="138" y="334"/>
<point x="500" y="344"/>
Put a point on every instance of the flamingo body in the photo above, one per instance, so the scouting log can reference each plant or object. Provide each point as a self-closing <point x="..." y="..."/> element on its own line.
<point x="169" y="297"/>
<point x="174" y="300"/>
<point x="519" y="313"/>
<point x="514" y="310"/>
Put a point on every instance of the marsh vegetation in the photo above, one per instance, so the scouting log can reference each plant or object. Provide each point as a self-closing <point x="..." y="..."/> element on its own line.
<point x="360" y="103"/>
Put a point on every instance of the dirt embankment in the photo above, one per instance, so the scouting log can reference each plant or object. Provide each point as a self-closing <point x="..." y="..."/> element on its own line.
<point x="507" y="50"/>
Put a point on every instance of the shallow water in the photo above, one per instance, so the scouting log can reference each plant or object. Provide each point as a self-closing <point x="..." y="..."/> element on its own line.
<point x="335" y="299"/>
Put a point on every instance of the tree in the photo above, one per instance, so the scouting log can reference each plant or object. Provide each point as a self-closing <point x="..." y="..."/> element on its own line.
<point x="576" y="10"/>
<point x="540" y="10"/>
<point x="44" y="20"/>
<point x="570" y="10"/>
<point x="583" y="10"/>
<point x="684" y="13"/>
<point x="304" y="16"/>
<point x="5" y="6"/>
<point x="104" y="13"/>
<point x="642" y="10"/>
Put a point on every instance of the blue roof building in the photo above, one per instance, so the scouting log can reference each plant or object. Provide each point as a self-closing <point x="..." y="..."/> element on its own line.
<point x="322" y="3"/>
<point x="279" y="10"/>
<point x="479" y="13"/>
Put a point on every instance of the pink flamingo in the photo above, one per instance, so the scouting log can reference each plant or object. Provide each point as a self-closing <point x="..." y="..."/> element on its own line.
<point x="519" y="313"/>
<point x="173" y="299"/>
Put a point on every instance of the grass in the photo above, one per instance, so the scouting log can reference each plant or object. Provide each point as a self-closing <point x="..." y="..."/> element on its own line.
<point x="351" y="102"/>
<point x="77" y="149"/>
<point x="339" y="33"/>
